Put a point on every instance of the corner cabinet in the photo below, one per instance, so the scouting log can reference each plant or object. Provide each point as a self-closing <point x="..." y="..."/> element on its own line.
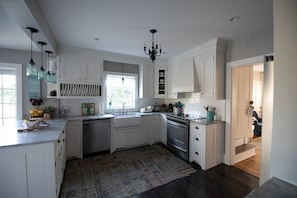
<point x="77" y="77"/>
<point x="161" y="82"/>
<point x="207" y="144"/>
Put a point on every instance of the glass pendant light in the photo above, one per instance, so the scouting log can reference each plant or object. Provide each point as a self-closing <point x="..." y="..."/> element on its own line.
<point x="42" y="74"/>
<point x="31" y="66"/>
<point x="50" y="77"/>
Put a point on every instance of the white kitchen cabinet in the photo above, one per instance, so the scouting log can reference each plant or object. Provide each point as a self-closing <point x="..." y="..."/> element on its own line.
<point x="60" y="160"/>
<point x="74" y="139"/>
<point x="155" y="129"/>
<point x="146" y="128"/>
<point x="34" y="170"/>
<point x="146" y="81"/>
<point x="210" y="67"/>
<point x="206" y="144"/>
<point x="126" y="137"/>
<point x="161" y="82"/>
<point x="163" y="129"/>
<point x="79" y="70"/>
<point x="151" y="128"/>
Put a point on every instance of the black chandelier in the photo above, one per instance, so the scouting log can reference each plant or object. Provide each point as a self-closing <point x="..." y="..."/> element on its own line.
<point x="155" y="50"/>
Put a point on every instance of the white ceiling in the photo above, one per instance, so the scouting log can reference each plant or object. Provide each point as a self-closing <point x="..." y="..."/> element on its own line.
<point x="123" y="26"/>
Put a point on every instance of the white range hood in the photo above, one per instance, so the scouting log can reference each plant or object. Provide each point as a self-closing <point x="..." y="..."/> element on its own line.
<point x="186" y="79"/>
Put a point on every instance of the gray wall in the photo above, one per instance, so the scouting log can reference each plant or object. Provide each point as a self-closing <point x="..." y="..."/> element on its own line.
<point x="284" y="134"/>
<point x="22" y="57"/>
<point x="258" y="43"/>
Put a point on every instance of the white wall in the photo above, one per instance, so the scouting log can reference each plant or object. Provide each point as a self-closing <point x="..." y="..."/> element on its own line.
<point x="284" y="132"/>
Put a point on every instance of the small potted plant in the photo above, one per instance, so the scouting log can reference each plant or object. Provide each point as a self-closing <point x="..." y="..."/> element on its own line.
<point x="49" y="111"/>
<point x="178" y="108"/>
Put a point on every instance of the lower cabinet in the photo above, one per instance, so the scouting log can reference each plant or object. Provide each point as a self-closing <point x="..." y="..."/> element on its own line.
<point x="207" y="144"/>
<point x="151" y="128"/>
<point x="33" y="170"/>
<point x="126" y="137"/>
<point x="74" y="139"/>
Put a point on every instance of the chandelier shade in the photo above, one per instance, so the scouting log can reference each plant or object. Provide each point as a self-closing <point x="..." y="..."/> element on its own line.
<point x="155" y="50"/>
<point x="31" y="66"/>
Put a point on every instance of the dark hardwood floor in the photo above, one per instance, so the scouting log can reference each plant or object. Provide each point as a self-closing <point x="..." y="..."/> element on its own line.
<point x="220" y="181"/>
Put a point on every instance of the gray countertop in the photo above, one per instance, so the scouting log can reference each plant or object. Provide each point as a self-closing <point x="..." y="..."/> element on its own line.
<point x="205" y="121"/>
<point x="9" y="136"/>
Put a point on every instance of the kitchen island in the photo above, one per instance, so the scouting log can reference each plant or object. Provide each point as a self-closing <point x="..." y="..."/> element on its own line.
<point x="32" y="162"/>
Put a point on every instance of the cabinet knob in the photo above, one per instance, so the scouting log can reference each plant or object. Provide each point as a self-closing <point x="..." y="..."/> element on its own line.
<point x="196" y="153"/>
<point x="197" y="139"/>
<point x="196" y="127"/>
<point x="59" y="141"/>
<point x="63" y="140"/>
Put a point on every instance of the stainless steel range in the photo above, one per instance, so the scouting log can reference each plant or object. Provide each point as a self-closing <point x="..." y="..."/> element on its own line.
<point x="178" y="135"/>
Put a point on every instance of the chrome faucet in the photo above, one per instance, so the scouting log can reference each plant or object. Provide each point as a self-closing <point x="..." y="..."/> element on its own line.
<point x="123" y="108"/>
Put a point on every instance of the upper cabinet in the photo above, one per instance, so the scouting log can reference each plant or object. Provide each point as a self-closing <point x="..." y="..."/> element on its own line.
<point x="201" y="70"/>
<point x="79" y="70"/>
<point x="210" y="68"/>
<point x="146" y="81"/>
<point x="77" y="77"/>
<point x="161" y="82"/>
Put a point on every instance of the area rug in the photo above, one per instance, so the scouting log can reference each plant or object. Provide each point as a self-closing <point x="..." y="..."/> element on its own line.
<point x="123" y="174"/>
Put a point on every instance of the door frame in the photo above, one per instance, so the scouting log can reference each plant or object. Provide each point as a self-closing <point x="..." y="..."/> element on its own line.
<point x="229" y="135"/>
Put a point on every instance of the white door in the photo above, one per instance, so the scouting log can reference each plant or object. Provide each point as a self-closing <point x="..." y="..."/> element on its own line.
<point x="242" y="87"/>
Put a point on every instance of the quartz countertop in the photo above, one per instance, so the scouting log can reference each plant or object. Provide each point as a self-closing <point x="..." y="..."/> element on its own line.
<point x="205" y="121"/>
<point x="9" y="136"/>
<point x="89" y="117"/>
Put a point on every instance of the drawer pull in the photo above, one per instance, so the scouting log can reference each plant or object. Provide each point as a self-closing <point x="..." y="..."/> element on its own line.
<point x="196" y="127"/>
<point x="197" y="139"/>
<point x="196" y="153"/>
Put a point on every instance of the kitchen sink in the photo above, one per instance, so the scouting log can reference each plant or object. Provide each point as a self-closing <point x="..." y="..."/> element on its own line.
<point x="126" y="120"/>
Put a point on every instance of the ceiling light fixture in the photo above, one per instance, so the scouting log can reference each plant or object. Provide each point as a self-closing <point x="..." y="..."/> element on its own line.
<point x="155" y="50"/>
<point x="51" y="76"/>
<point x="31" y="66"/>
<point x="233" y="19"/>
<point x="42" y="73"/>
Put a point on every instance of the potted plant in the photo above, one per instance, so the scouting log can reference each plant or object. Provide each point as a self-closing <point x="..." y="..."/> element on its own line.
<point x="178" y="108"/>
<point x="49" y="111"/>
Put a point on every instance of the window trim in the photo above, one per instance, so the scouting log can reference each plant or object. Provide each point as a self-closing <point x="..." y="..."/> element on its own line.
<point x="105" y="73"/>
<point x="19" y="90"/>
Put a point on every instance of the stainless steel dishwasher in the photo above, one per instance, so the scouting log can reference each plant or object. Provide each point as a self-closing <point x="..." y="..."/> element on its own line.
<point x="96" y="135"/>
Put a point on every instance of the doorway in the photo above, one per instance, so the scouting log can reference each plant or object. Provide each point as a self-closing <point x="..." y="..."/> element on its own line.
<point x="247" y="93"/>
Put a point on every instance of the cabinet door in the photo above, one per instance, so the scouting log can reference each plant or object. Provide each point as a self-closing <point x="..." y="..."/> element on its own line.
<point x="163" y="129"/>
<point x="120" y="139"/>
<point x="146" y="81"/>
<point x="160" y="82"/>
<point x="74" y="139"/>
<point x="208" y="64"/>
<point x="69" y="69"/>
<point x="155" y="128"/>
<point x="134" y="136"/>
<point x="91" y="71"/>
<point x="146" y="129"/>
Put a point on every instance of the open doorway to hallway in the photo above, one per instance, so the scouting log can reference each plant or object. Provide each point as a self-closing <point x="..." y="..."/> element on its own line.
<point x="247" y="86"/>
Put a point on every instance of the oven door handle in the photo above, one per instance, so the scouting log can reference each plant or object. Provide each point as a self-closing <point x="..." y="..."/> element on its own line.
<point x="177" y="124"/>
<point x="177" y="147"/>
